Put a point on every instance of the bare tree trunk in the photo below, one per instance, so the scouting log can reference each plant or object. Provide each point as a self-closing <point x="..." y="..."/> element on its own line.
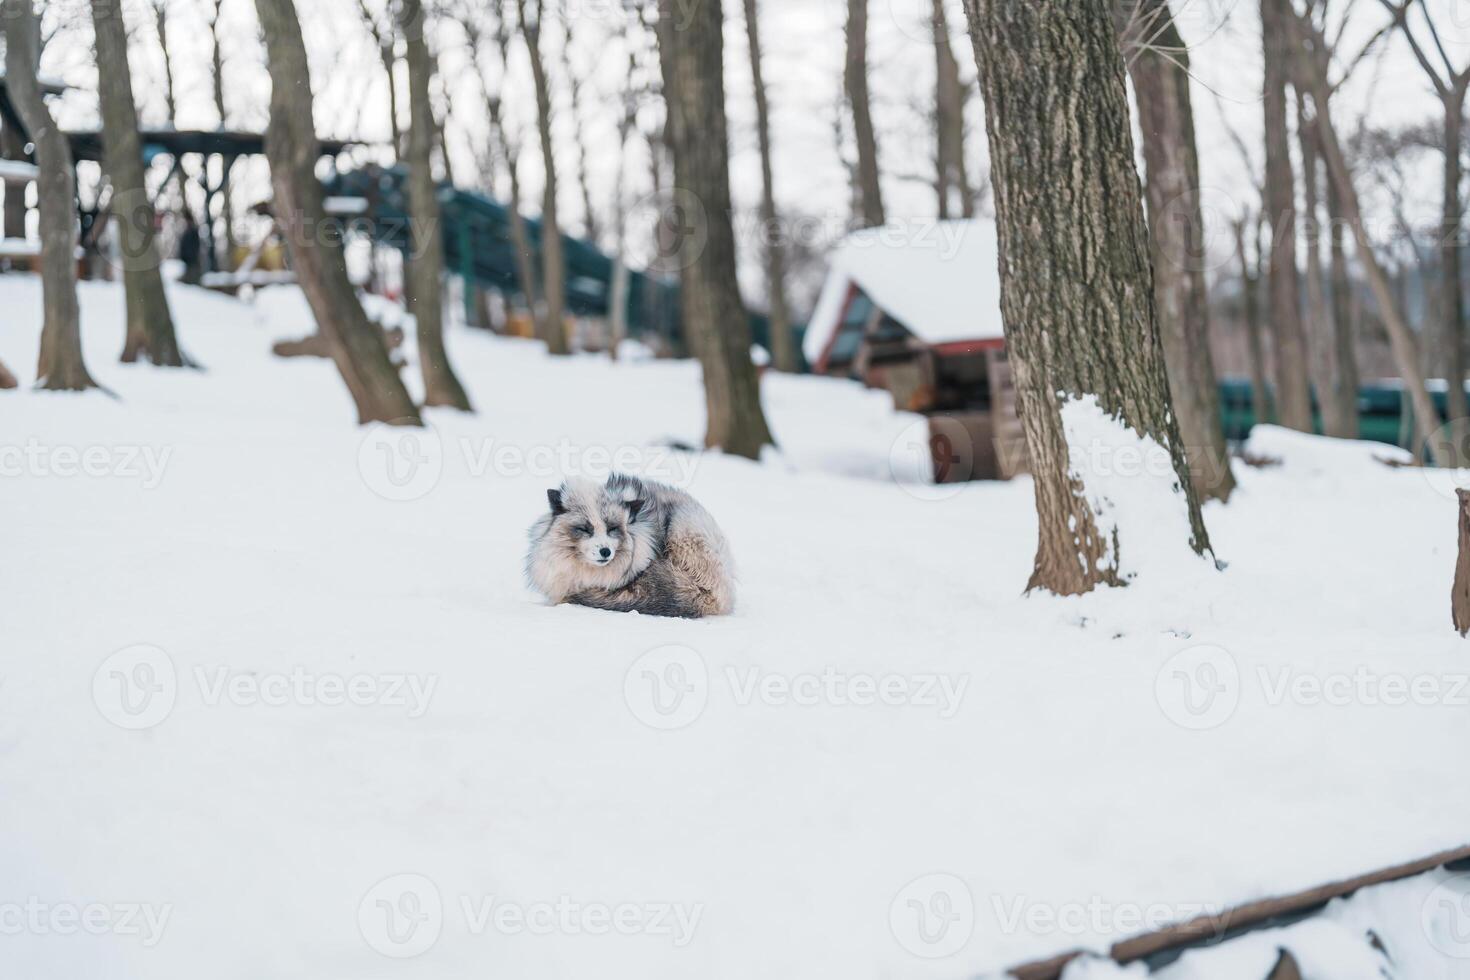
<point x="1293" y="395"/>
<point x="1345" y="358"/>
<point x="855" y="81"/>
<point x="7" y="379"/>
<point x="1452" y="288"/>
<point x="150" y="331"/>
<point x="590" y="227"/>
<point x="170" y="93"/>
<point x="1460" y="589"/>
<point x="13" y="147"/>
<point x="553" y="263"/>
<point x="60" y="367"/>
<point x="773" y="238"/>
<point x="951" y="175"/>
<point x="1400" y="336"/>
<point x="1160" y="71"/>
<point x="426" y="265"/>
<point x="1250" y="289"/>
<point x="692" y="56"/>
<point x="1076" y="289"/>
<point x="1320" y="341"/>
<point x="217" y="73"/>
<point x="358" y="347"/>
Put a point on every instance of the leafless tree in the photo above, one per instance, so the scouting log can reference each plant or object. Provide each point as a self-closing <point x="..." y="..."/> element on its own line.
<point x="357" y="345"/>
<point x="379" y="24"/>
<point x="426" y="264"/>
<point x="1314" y="61"/>
<point x="1159" y="65"/>
<point x="170" y="91"/>
<point x="1079" y="319"/>
<point x="951" y="175"/>
<point x="1450" y="86"/>
<point x="553" y="261"/>
<point x="1293" y="392"/>
<point x="855" y="83"/>
<point x="150" y="330"/>
<point x="60" y="366"/>
<point x="783" y="342"/>
<point x="217" y="79"/>
<point x="590" y="229"/>
<point x="691" y="49"/>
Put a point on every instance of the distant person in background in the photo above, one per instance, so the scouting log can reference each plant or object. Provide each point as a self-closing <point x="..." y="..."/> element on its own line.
<point x="190" y="251"/>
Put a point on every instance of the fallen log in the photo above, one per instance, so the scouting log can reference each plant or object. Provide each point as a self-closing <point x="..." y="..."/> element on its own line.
<point x="1208" y="930"/>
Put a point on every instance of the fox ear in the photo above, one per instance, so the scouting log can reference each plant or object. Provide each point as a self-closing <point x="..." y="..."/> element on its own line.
<point x="634" y="507"/>
<point x="554" y="498"/>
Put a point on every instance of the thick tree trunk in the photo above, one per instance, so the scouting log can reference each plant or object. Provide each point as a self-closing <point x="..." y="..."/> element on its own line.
<point x="1320" y="341"/>
<point x="553" y="263"/>
<point x="1400" y="335"/>
<point x="1452" y="290"/>
<point x="60" y="366"/>
<point x="1250" y="299"/>
<point x="426" y="265"/>
<point x="13" y="147"/>
<point x="1076" y="288"/>
<point x="292" y="148"/>
<point x="1345" y="346"/>
<point x="150" y="331"/>
<point x="1160" y="71"/>
<point x="692" y="59"/>
<point x="1293" y="395"/>
<point x="855" y="80"/>
<point x="773" y="238"/>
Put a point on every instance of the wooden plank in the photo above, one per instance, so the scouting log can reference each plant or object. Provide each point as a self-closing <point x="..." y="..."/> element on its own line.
<point x="1210" y="929"/>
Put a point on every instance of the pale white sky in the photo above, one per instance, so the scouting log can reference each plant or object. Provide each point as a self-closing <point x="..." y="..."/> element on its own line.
<point x="803" y="59"/>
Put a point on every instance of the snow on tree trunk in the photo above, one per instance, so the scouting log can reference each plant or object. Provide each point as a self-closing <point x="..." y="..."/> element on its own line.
<point x="358" y="347"/>
<point x="691" y="46"/>
<point x="1160" y="72"/>
<point x="60" y="366"/>
<point x="150" y="331"/>
<point x="1111" y="478"/>
<point x="426" y="265"/>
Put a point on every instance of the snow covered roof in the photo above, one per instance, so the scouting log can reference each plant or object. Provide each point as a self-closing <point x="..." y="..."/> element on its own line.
<point x="941" y="280"/>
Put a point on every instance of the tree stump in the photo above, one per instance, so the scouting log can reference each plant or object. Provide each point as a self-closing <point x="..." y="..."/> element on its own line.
<point x="1460" y="593"/>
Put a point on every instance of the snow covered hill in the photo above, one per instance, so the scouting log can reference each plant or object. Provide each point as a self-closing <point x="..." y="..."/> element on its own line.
<point x="276" y="702"/>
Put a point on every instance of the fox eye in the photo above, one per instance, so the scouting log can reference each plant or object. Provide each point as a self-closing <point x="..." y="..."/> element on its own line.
<point x="615" y="531"/>
<point x="583" y="530"/>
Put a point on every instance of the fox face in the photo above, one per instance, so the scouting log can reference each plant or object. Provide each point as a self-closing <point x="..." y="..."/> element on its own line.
<point x="592" y="526"/>
<point x="591" y="537"/>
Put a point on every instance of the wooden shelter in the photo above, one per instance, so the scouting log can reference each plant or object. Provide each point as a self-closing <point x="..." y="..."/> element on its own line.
<point x="916" y="311"/>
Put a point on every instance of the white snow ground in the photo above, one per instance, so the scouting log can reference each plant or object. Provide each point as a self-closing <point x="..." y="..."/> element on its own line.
<point x="887" y="763"/>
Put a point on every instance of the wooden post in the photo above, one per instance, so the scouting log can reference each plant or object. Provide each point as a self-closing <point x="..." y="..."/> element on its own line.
<point x="1460" y="593"/>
